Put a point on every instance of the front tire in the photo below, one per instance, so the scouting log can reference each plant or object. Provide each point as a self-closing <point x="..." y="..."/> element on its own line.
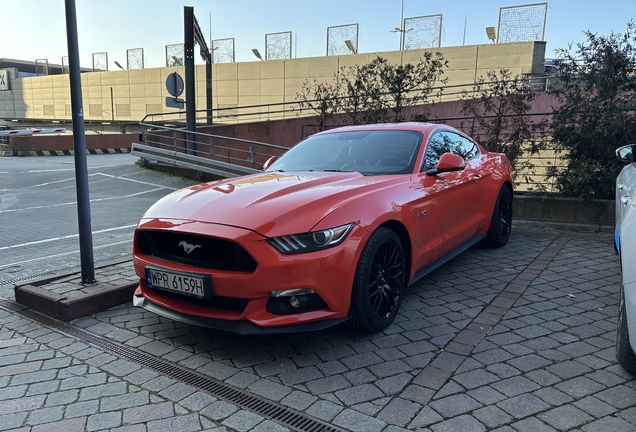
<point x="624" y="353"/>
<point x="379" y="282"/>
<point x="501" y="222"/>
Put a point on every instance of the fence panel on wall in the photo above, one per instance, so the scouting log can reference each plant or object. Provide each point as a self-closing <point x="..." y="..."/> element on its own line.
<point x="223" y="50"/>
<point x="422" y="32"/>
<point x="135" y="58"/>
<point x="522" y="23"/>
<point x="337" y="37"/>
<point x="174" y="55"/>
<point x="41" y="67"/>
<point x="100" y="62"/>
<point x="278" y="46"/>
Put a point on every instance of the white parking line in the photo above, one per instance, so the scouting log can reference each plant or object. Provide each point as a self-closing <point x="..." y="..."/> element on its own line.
<point x="75" y="202"/>
<point x="5" y="266"/>
<point x="64" y="237"/>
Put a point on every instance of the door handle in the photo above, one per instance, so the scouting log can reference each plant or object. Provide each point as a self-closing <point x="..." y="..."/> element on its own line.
<point x="625" y="199"/>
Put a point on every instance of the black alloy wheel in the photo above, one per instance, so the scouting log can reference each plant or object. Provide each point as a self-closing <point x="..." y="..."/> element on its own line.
<point x="379" y="282"/>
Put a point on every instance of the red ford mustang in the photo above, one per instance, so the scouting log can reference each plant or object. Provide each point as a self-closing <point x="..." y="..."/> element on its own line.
<point x="332" y="231"/>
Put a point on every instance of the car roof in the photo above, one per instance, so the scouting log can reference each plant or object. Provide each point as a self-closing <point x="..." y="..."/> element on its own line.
<point x="407" y="126"/>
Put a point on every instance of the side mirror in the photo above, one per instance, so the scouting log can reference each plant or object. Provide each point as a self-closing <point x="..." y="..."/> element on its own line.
<point x="627" y="153"/>
<point x="269" y="162"/>
<point x="447" y="163"/>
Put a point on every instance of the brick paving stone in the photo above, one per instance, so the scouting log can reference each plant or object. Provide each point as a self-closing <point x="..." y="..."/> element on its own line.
<point x="425" y="417"/>
<point x="148" y="413"/>
<point x="358" y="422"/>
<point x="269" y="389"/>
<point x="523" y="405"/>
<point x="476" y="378"/>
<point x="358" y="394"/>
<point x="298" y="400"/>
<point x="243" y="421"/>
<point x="324" y="410"/>
<point x="532" y="424"/>
<point x="103" y="421"/>
<point x="218" y="410"/>
<point x="492" y="417"/>
<point x="327" y="385"/>
<point x="185" y="423"/>
<point x="464" y="423"/>
<point x="609" y="424"/>
<point x="455" y="405"/>
<point x="565" y="417"/>
<point x="398" y="412"/>
<point x="72" y="425"/>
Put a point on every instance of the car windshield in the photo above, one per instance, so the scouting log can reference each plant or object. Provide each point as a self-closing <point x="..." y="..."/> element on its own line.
<point x="367" y="152"/>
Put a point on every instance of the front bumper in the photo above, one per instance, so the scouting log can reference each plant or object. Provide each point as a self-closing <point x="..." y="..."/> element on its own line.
<point x="242" y="327"/>
<point x="329" y="273"/>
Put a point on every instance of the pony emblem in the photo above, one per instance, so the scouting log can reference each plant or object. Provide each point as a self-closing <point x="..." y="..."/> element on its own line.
<point x="187" y="247"/>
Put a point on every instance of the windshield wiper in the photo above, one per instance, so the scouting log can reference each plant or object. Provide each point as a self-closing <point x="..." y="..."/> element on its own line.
<point x="332" y="170"/>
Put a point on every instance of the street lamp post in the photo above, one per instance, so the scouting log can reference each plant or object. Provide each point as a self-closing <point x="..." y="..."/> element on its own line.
<point x="402" y="30"/>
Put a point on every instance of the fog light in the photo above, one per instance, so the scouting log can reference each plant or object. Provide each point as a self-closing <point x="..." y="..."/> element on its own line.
<point x="294" y="302"/>
<point x="291" y="292"/>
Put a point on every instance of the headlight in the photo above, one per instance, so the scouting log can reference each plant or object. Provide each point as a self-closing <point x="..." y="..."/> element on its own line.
<point x="312" y="241"/>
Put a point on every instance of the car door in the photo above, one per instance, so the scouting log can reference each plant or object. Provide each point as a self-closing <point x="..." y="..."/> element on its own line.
<point x="448" y="203"/>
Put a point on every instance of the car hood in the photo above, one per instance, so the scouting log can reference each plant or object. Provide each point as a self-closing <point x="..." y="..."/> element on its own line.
<point x="269" y="203"/>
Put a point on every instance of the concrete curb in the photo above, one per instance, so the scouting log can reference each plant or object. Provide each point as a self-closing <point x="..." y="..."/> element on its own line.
<point x="85" y="300"/>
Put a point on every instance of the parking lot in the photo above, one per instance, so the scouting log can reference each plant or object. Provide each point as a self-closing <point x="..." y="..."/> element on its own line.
<point x="513" y="339"/>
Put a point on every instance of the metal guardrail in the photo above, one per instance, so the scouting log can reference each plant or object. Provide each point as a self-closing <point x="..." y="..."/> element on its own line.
<point x="286" y="110"/>
<point x="214" y="154"/>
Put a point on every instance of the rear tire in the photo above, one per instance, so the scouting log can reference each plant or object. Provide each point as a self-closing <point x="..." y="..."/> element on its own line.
<point x="501" y="222"/>
<point x="379" y="282"/>
<point x="624" y="353"/>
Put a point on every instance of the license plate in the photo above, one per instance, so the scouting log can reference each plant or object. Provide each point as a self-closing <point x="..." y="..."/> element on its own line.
<point x="196" y="285"/>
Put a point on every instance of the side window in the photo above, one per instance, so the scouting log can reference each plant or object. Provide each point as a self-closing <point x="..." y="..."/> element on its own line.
<point x="440" y="143"/>
<point x="470" y="150"/>
<point x="448" y="142"/>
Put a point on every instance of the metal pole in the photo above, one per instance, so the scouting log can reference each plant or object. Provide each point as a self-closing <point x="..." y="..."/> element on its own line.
<point x="188" y="61"/>
<point x="79" y="146"/>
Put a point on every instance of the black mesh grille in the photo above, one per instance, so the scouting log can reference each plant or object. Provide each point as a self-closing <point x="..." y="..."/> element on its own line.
<point x="195" y="251"/>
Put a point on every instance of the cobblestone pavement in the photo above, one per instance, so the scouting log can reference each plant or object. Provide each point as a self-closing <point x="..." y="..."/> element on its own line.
<point x="513" y="339"/>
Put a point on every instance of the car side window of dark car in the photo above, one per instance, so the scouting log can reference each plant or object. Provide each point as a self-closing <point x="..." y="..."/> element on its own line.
<point x="448" y="142"/>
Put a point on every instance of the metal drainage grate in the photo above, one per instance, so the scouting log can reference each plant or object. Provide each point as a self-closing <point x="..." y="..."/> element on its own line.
<point x="283" y="415"/>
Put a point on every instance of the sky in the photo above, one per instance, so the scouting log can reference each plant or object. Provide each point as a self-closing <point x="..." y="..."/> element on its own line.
<point x="36" y="29"/>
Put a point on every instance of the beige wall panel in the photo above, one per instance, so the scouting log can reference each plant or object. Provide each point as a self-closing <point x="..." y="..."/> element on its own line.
<point x="137" y="104"/>
<point x="36" y="83"/>
<point x="137" y="92"/>
<point x="226" y="91"/>
<point x="155" y="90"/>
<point x="227" y="101"/>
<point x="273" y="87"/>
<point x="137" y="115"/>
<point x="136" y="76"/>
<point x="249" y="100"/>
<point x="121" y="80"/>
<point x="250" y="87"/>
<point x="121" y="92"/>
<point x="92" y="78"/>
<point x="297" y="69"/>
<point x="249" y="71"/>
<point x="323" y="66"/>
<point x="226" y="71"/>
<point x="109" y="78"/>
<point x="273" y="69"/>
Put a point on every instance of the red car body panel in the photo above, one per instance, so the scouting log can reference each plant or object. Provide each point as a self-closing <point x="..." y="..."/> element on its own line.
<point x="438" y="213"/>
